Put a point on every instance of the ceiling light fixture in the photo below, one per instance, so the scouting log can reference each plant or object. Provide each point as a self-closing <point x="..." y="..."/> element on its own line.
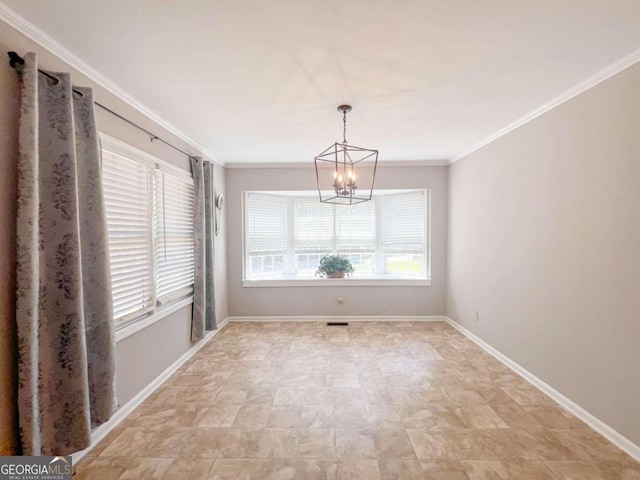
<point x="336" y="170"/>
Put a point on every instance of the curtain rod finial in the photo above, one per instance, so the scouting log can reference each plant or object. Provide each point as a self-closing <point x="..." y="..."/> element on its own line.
<point x="15" y="59"/>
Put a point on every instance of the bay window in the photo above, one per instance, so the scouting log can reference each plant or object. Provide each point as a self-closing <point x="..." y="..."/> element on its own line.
<point x="286" y="234"/>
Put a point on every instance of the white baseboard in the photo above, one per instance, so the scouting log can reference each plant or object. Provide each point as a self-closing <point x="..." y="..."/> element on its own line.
<point x="103" y="430"/>
<point x="341" y="318"/>
<point x="622" y="442"/>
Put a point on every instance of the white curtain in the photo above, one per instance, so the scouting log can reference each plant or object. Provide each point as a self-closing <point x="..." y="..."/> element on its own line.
<point x="204" y="308"/>
<point x="66" y="373"/>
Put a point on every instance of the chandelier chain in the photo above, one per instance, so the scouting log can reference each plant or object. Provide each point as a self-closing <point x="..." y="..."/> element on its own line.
<point x="344" y="129"/>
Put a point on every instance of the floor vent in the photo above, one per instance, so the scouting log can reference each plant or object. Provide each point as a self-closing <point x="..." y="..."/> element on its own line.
<point x="337" y="324"/>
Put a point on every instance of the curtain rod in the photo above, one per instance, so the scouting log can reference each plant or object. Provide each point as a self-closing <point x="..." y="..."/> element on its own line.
<point x="15" y="60"/>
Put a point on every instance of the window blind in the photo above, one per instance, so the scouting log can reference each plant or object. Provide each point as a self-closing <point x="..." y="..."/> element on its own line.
<point x="312" y="226"/>
<point x="403" y="223"/>
<point x="356" y="228"/>
<point x="173" y="235"/>
<point x="127" y="197"/>
<point x="266" y="224"/>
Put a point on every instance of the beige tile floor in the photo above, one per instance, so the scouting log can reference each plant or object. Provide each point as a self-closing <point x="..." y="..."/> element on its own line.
<point x="370" y="401"/>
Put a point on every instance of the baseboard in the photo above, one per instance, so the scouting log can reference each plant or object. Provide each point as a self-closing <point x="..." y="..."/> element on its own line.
<point x="622" y="442"/>
<point x="341" y="318"/>
<point x="103" y="430"/>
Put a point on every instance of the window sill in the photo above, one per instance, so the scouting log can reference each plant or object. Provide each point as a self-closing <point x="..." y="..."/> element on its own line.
<point x="379" y="281"/>
<point x="144" y="322"/>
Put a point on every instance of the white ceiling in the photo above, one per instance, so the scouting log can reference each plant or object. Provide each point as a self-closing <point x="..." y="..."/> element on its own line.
<point x="258" y="81"/>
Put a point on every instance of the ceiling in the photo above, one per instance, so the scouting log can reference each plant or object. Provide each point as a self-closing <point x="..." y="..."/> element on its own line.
<point x="258" y="81"/>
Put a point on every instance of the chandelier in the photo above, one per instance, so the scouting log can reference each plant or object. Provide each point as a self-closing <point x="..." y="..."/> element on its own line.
<point x="338" y="180"/>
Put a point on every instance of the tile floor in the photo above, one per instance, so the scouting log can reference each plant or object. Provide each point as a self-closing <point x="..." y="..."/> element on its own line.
<point x="370" y="401"/>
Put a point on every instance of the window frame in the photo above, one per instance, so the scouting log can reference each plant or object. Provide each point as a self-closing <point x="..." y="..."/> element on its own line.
<point x="375" y="279"/>
<point x="136" y="321"/>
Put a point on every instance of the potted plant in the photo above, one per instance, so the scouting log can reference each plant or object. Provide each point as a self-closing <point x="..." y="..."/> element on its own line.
<point x="334" y="266"/>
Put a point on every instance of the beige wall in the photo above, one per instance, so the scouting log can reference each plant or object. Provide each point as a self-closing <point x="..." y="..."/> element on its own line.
<point x="322" y="300"/>
<point x="544" y="242"/>
<point x="141" y="357"/>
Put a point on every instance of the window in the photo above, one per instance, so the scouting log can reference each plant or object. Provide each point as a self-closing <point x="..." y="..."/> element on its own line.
<point x="286" y="234"/>
<point x="149" y="208"/>
<point x="127" y="197"/>
<point x="403" y="233"/>
<point x="173" y="235"/>
<point x="355" y="234"/>
<point x="312" y="233"/>
<point x="267" y="226"/>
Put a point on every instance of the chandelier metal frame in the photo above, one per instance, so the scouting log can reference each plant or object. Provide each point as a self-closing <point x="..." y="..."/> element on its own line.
<point x="343" y="159"/>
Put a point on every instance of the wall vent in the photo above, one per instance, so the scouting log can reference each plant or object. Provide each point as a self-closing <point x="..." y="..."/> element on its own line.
<point x="337" y="324"/>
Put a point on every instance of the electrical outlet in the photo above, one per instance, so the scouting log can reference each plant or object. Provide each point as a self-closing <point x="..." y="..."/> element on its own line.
<point x="340" y="300"/>
<point x="475" y="317"/>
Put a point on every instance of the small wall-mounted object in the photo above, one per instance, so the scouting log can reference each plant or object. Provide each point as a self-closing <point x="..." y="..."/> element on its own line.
<point x="219" y="204"/>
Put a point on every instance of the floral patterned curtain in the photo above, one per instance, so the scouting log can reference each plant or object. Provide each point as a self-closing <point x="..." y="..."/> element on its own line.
<point x="66" y="372"/>
<point x="204" y="311"/>
<point x="209" y="219"/>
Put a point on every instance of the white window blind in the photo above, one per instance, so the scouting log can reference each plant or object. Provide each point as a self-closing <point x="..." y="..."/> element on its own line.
<point x="313" y="237"/>
<point x="267" y="243"/>
<point x="356" y="234"/>
<point x="356" y="228"/>
<point x="403" y="238"/>
<point x="127" y="196"/>
<point x="267" y="224"/>
<point x="174" y="236"/>
<point x="312" y="226"/>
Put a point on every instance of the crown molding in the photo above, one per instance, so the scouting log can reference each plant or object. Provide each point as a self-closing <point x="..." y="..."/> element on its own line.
<point x="583" y="86"/>
<point x="240" y="165"/>
<point x="309" y="164"/>
<point x="35" y="34"/>
<point x="443" y="162"/>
